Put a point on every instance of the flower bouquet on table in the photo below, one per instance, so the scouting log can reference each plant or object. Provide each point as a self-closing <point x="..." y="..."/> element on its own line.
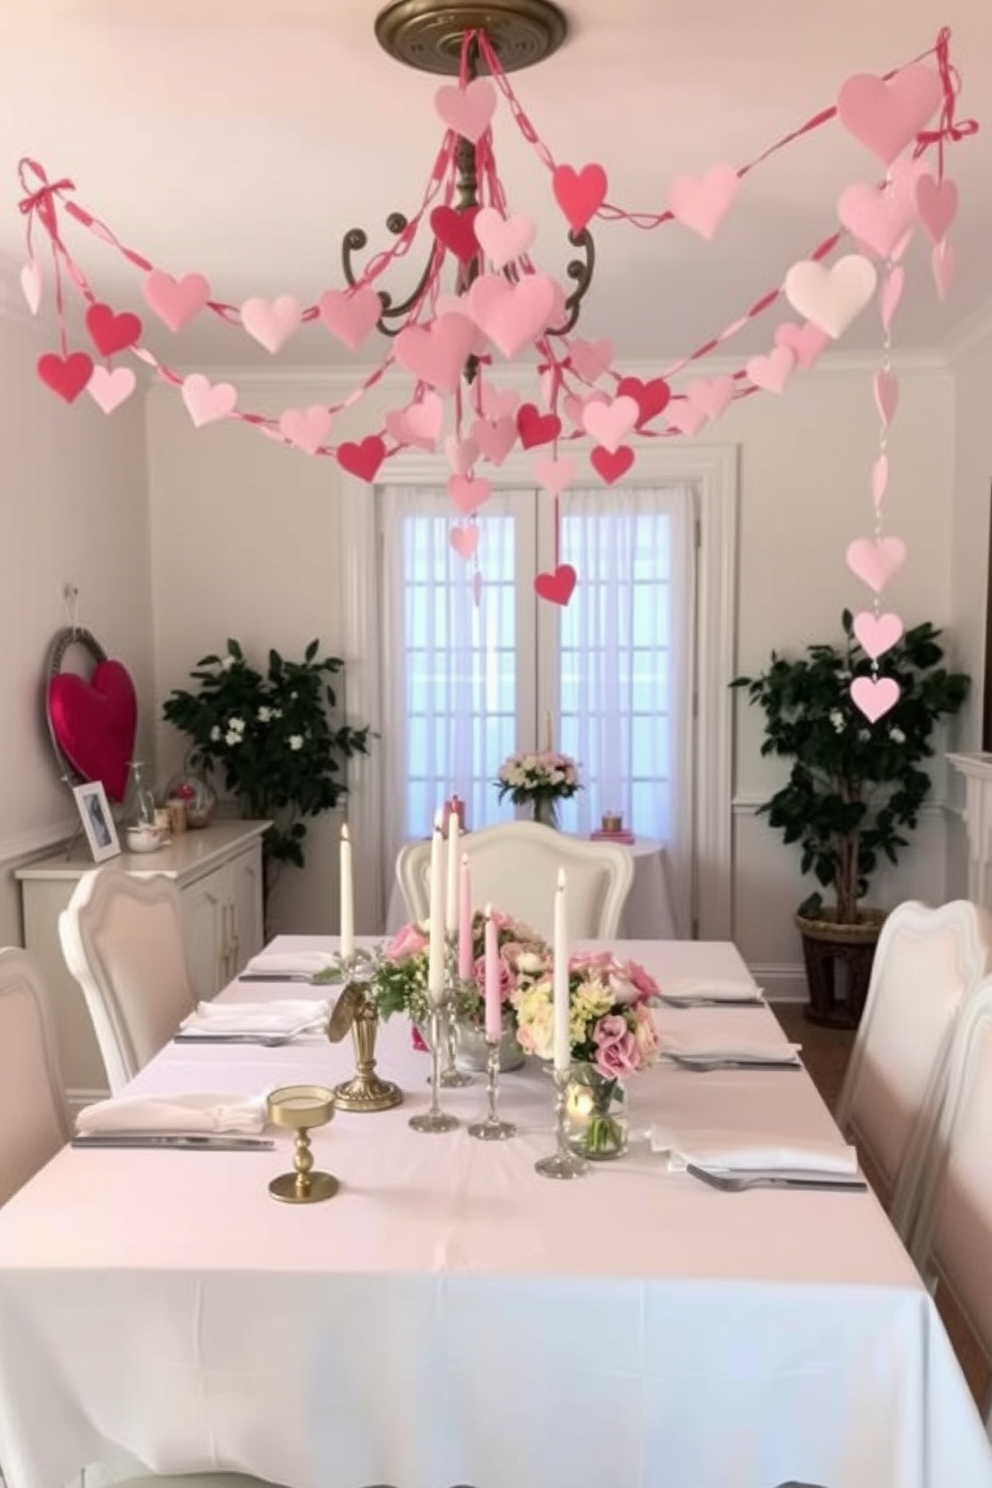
<point x="612" y="1036"/>
<point x="539" y="781"/>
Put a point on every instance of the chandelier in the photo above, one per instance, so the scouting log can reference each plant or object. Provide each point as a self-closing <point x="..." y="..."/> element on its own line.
<point x="481" y="298"/>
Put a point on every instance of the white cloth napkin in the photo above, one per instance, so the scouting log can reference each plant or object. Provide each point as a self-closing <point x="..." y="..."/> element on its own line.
<point x="284" y="1017"/>
<point x="704" y="1047"/>
<point x="178" y="1115"/>
<point x="711" y="988"/>
<point x="752" y="1152"/>
<point x="289" y="963"/>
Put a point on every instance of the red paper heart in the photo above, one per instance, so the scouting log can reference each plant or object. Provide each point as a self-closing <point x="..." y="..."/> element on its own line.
<point x="362" y="459"/>
<point x="66" y="376"/>
<point x="110" y="332"/>
<point x="94" y="723"/>
<point x="651" y="397"/>
<point x="580" y="194"/>
<point x="535" y="427"/>
<point x="556" y="587"/>
<point x="610" y="465"/>
<point x="456" y="231"/>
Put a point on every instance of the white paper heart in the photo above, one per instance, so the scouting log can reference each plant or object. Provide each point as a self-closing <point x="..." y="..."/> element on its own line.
<point x="831" y="297"/>
<point x="110" y="386"/>
<point x="31" y="284"/>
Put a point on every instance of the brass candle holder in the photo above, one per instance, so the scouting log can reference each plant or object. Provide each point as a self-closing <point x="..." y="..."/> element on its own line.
<point x="365" y="1091"/>
<point x="301" y="1108"/>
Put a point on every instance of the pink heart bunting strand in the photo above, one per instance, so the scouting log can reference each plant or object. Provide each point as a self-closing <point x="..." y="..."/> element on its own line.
<point x="580" y="194"/>
<point x="874" y="696"/>
<point x="456" y="231"/>
<point x="937" y="206"/>
<point x="591" y="358"/>
<point x="206" y="401"/>
<point x="176" y="301"/>
<point x="271" y="322"/>
<point x="772" y="372"/>
<point x="886" y="396"/>
<point x="610" y="465"/>
<point x="511" y="314"/>
<point x="831" y="297"/>
<point x="535" y="427"/>
<point x="306" y="428"/>
<point x="702" y="202"/>
<point x="879" y="480"/>
<point x="610" y="423"/>
<point x="436" y="353"/>
<point x="499" y="403"/>
<point x="574" y="407"/>
<point x="503" y="239"/>
<point x="711" y="395"/>
<point x="364" y="458"/>
<point x="31" y="284"/>
<point x="891" y="293"/>
<point x="886" y="117"/>
<point x="943" y="262"/>
<point x="878" y="219"/>
<point x="877" y="634"/>
<point x="875" y="563"/>
<point x="556" y="587"/>
<point x="350" y="315"/>
<point x="555" y="475"/>
<point x="109" y="387"/>
<point x="469" y="110"/>
<point x="651" y="397"/>
<point x="461" y="454"/>
<point x="495" y="438"/>
<point x="806" y="342"/>
<point x="468" y="493"/>
<point x="67" y="375"/>
<point x="418" y="424"/>
<point x="110" y="332"/>
<point x="685" y="418"/>
<point x="464" y="540"/>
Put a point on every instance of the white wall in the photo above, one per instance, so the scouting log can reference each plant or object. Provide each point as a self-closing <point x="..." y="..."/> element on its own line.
<point x="74" y="509"/>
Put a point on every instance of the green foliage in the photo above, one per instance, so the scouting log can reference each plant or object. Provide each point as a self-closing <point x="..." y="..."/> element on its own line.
<point x="855" y="788"/>
<point x="271" y="737"/>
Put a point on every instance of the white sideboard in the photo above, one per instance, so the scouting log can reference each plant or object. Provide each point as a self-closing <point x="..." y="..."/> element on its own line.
<point x="977" y="772"/>
<point x="218" y="872"/>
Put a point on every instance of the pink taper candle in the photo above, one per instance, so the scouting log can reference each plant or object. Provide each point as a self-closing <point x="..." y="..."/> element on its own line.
<point x="494" y="1002"/>
<point x="466" y="961"/>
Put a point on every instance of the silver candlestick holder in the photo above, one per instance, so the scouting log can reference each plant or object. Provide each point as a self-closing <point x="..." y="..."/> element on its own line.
<point x="435" y="1120"/>
<point x="563" y="1163"/>
<point x="492" y="1129"/>
<point x="452" y="1078"/>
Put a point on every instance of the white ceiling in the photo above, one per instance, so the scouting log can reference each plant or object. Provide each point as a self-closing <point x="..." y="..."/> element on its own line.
<point x="242" y="138"/>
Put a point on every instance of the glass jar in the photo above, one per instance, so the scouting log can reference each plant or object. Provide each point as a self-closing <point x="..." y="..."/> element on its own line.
<point x="597" y="1129"/>
<point x="192" y="788"/>
<point x="139" y="800"/>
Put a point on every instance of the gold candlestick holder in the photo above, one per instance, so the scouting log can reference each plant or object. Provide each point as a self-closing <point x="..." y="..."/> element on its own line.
<point x="365" y="1091"/>
<point x="301" y="1108"/>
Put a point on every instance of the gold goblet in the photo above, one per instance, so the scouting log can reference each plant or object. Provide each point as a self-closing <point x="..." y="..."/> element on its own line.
<point x="302" y="1107"/>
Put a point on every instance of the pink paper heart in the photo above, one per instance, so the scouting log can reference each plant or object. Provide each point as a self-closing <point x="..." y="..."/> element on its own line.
<point x="580" y="194"/>
<point x="943" y="261"/>
<point x="874" y="696"/>
<point x="652" y="397"/>
<point x="503" y="239"/>
<point x="469" y="492"/>
<point x="886" y="396"/>
<point x="436" y="353"/>
<point x="610" y="465"/>
<point x="350" y="315"/>
<point x="875" y="563"/>
<point x="773" y="371"/>
<point x="610" y="423"/>
<point x="31" y="284"/>
<point x="886" y="117"/>
<point x="418" y="424"/>
<point x="591" y="358"/>
<point x="806" y="342"/>
<point x="464" y="540"/>
<point x="877" y="633"/>
<point x="574" y="407"/>
<point x="711" y="395"/>
<point x="511" y="314"/>
<point x="702" y="202"/>
<point x="362" y="459"/>
<point x="271" y="322"/>
<point x="66" y="375"/>
<point x="831" y="297"/>
<point x="458" y="305"/>
<point x="109" y="387"/>
<point x="455" y="230"/>
<point x="937" y="206"/>
<point x="176" y="301"/>
<point x="109" y="332"/>
<point x="467" y="110"/>
<point x="306" y="428"/>
<point x="206" y="401"/>
<point x="878" y="219"/>
<point x="891" y="293"/>
<point x="879" y="480"/>
<point x="555" y="475"/>
<point x="684" y="417"/>
<point x="461" y="454"/>
<point x="499" y="403"/>
<point x="535" y="427"/>
<point x="556" y="587"/>
<point x="495" y="438"/>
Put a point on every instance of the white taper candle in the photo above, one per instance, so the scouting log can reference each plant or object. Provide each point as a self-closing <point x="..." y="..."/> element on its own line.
<point x="454" y="858"/>
<point x="435" y="958"/>
<point x="347" y="897"/>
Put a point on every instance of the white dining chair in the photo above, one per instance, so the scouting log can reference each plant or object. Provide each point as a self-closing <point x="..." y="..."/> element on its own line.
<point x="927" y="964"/>
<point x="33" y="1124"/>
<point x="951" y="1239"/>
<point x="122" y="939"/>
<point x="514" y="867"/>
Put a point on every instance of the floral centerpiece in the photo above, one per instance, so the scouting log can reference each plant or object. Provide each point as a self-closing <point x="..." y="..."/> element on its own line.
<point x="612" y="1035"/>
<point x="539" y="780"/>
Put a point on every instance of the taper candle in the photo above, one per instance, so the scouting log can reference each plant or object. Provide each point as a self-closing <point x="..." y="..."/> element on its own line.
<point x="347" y="898"/>
<point x="454" y="857"/>
<point x="548" y="745"/>
<point x="466" y="960"/>
<point x="494" y="1000"/>
<point x="562" y="1009"/>
<point x="435" y="956"/>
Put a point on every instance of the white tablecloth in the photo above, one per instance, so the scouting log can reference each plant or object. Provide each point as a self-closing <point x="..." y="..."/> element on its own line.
<point x="451" y="1317"/>
<point x="649" y="913"/>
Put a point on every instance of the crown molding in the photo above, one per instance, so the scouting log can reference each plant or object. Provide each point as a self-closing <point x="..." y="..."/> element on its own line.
<point x="970" y="335"/>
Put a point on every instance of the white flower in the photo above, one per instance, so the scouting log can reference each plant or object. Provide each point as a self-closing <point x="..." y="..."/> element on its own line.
<point x="228" y="661"/>
<point x="296" y="741"/>
<point x="215" y="733"/>
<point x="236" y="725"/>
<point x="897" y="736"/>
<point x="233" y="738"/>
<point x="276" y="712"/>
<point x="864" y="735"/>
<point x="264" y="714"/>
<point x="837" y="719"/>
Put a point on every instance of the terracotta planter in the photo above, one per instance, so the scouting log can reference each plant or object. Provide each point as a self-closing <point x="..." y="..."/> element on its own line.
<point x="838" y="960"/>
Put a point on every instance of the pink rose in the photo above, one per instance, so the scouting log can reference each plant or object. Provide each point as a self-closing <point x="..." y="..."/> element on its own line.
<point x="642" y="980"/>
<point x="507" y="979"/>
<point x="406" y="942"/>
<point x="645" y="1034"/>
<point x="616" y="1047"/>
<point x="584" y="961"/>
<point x="417" y="1039"/>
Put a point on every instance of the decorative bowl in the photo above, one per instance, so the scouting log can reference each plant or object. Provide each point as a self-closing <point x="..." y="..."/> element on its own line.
<point x="144" y="839"/>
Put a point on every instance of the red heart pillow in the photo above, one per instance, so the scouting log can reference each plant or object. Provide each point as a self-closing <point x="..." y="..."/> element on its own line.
<point x="95" y="722"/>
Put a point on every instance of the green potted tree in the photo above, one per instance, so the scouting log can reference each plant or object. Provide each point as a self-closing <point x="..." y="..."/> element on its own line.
<point x="855" y="789"/>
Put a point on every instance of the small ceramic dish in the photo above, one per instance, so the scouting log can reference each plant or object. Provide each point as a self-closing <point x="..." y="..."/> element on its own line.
<point x="144" y="839"/>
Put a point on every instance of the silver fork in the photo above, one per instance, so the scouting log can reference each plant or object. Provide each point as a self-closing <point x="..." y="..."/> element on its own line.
<point x="263" y="1040"/>
<point x="739" y="1182"/>
<point x="704" y="1065"/>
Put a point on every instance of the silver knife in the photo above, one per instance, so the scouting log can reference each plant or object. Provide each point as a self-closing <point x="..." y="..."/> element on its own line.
<point x="673" y="1000"/>
<point x="741" y="1182"/>
<point x="187" y="1143"/>
<point x="275" y="976"/>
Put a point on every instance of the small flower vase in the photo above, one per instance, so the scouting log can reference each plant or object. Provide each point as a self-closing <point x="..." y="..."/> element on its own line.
<point x="596" y="1128"/>
<point x="546" y="811"/>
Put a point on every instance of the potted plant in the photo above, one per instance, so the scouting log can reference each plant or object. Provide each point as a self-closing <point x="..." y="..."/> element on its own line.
<point x="270" y="734"/>
<point x="855" y="789"/>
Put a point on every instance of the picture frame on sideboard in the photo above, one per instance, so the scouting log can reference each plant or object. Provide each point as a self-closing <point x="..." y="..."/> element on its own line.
<point x="98" y="823"/>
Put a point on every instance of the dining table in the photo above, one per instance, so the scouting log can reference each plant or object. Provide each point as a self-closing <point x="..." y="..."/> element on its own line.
<point x="451" y="1316"/>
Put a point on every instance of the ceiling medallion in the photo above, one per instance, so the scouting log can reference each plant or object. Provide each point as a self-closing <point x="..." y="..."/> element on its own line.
<point x="428" y="34"/>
